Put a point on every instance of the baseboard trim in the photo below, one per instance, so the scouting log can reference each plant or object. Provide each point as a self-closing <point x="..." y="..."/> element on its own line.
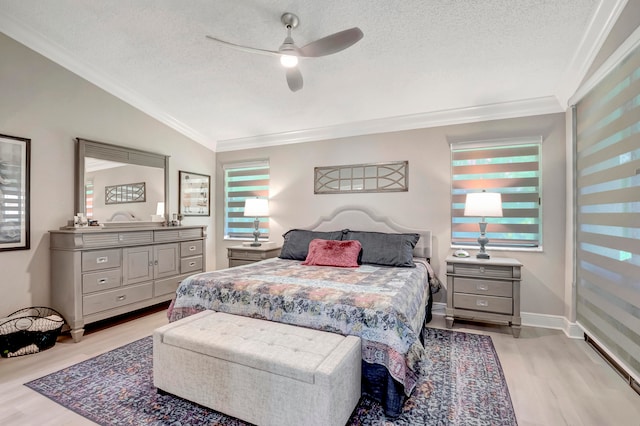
<point x="554" y="322"/>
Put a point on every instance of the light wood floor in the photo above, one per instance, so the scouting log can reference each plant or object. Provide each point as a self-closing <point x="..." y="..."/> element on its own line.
<point x="553" y="380"/>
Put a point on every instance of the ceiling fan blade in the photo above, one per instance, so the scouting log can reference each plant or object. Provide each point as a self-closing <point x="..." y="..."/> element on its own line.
<point x="332" y="43"/>
<point x="245" y="48"/>
<point x="294" y="79"/>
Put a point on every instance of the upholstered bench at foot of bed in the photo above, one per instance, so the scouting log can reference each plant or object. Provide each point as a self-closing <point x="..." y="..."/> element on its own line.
<point x="262" y="372"/>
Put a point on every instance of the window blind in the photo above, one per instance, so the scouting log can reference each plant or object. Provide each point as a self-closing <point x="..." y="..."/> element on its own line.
<point x="242" y="181"/>
<point x="510" y="167"/>
<point x="88" y="198"/>
<point x="607" y="152"/>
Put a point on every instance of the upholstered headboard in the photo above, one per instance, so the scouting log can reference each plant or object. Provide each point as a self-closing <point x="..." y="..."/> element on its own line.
<point x="363" y="219"/>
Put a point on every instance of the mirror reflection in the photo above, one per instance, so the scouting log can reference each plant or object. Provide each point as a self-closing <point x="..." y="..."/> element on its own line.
<point x="117" y="185"/>
<point x="117" y="192"/>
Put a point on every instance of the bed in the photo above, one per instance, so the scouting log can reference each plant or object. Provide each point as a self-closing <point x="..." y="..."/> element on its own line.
<point x="351" y="273"/>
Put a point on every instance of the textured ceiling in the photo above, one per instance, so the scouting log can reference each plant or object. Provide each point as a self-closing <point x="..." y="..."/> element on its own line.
<point x="419" y="61"/>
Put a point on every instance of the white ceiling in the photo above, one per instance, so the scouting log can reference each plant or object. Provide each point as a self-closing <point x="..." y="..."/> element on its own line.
<point x="420" y="63"/>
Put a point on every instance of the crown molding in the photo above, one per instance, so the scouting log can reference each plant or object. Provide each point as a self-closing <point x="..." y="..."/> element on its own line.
<point x="631" y="43"/>
<point x="594" y="37"/>
<point x="56" y="53"/>
<point x="496" y="111"/>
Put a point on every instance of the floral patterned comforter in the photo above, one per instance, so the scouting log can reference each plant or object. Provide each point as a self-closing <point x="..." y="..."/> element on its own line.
<point x="384" y="306"/>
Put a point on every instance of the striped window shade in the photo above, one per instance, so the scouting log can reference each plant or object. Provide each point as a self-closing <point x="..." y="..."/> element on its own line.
<point x="242" y="181"/>
<point x="509" y="167"/>
<point x="89" y="195"/>
<point x="607" y="152"/>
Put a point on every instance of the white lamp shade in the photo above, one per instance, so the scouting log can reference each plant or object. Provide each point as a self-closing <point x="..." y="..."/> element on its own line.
<point x="256" y="207"/>
<point x="483" y="204"/>
<point x="160" y="209"/>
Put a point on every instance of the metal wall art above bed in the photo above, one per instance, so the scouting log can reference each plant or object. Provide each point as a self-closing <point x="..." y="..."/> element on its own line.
<point x="127" y="193"/>
<point x="373" y="177"/>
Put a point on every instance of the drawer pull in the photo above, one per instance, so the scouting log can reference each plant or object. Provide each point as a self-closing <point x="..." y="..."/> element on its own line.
<point x="482" y="269"/>
<point x="121" y="298"/>
<point x="192" y="248"/>
<point x="192" y="263"/>
<point x="482" y="287"/>
<point x="103" y="280"/>
<point x="103" y="259"/>
<point x="481" y="302"/>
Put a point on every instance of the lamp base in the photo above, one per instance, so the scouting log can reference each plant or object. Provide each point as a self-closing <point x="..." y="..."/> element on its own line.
<point x="255" y="244"/>
<point x="483" y="256"/>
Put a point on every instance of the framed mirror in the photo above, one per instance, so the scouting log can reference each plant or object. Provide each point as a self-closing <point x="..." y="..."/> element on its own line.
<point x="101" y="167"/>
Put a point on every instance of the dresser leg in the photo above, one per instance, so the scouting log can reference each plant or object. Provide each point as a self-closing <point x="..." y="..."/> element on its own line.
<point x="77" y="334"/>
<point x="449" y="321"/>
<point x="515" y="329"/>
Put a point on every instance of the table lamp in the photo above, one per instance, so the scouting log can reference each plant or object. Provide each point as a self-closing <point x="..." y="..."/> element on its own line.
<point x="256" y="207"/>
<point x="483" y="204"/>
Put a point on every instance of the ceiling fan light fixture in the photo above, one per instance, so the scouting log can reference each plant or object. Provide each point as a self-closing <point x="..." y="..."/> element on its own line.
<point x="288" y="61"/>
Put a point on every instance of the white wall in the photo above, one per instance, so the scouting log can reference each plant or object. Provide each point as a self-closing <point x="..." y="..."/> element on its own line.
<point x="426" y="204"/>
<point x="51" y="106"/>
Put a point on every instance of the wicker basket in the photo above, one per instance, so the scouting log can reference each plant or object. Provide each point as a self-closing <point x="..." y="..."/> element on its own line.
<point x="29" y="330"/>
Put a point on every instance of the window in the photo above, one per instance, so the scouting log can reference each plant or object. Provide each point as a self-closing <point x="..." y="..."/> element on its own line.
<point x="242" y="181"/>
<point x="88" y="198"/>
<point x="510" y="167"/>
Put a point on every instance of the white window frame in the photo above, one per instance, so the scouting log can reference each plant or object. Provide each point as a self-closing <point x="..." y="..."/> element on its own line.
<point x="499" y="240"/>
<point x="234" y="204"/>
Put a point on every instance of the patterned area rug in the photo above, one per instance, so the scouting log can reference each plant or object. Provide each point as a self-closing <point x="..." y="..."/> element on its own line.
<point x="462" y="383"/>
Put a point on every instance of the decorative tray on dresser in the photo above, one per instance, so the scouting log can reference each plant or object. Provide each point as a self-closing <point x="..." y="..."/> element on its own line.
<point x="484" y="290"/>
<point x="98" y="273"/>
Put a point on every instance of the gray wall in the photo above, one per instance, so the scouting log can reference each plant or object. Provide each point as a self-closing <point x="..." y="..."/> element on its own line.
<point x="51" y="106"/>
<point x="426" y="204"/>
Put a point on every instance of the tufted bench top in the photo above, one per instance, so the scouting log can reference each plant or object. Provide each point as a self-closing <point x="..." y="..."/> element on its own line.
<point x="290" y="351"/>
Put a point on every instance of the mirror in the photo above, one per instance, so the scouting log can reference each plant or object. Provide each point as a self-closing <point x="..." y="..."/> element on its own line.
<point x="119" y="185"/>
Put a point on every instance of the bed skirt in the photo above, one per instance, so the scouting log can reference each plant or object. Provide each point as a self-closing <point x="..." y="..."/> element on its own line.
<point x="378" y="384"/>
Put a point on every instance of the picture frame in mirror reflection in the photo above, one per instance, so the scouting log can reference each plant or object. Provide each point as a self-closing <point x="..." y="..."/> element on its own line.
<point x="194" y="194"/>
<point x="15" y="165"/>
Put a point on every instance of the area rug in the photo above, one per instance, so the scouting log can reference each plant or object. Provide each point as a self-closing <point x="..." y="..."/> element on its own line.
<point x="461" y="383"/>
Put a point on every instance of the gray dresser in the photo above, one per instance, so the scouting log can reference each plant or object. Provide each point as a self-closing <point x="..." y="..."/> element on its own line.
<point x="98" y="273"/>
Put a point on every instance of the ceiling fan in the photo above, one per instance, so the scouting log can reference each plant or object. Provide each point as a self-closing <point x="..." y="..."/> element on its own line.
<point x="289" y="52"/>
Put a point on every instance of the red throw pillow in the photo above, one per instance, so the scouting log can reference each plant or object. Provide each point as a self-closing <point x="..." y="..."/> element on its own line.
<point x="333" y="253"/>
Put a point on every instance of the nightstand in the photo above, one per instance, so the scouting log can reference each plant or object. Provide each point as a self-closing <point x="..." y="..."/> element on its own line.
<point x="484" y="290"/>
<point x="243" y="255"/>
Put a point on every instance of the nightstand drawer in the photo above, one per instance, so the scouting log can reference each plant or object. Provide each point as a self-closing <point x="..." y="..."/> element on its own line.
<point x="247" y="254"/>
<point x="497" y="271"/>
<point x="484" y="287"/>
<point x="500" y="305"/>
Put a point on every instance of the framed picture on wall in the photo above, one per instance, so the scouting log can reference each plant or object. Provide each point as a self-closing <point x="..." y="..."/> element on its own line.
<point x="194" y="190"/>
<point x="14" y="192"/>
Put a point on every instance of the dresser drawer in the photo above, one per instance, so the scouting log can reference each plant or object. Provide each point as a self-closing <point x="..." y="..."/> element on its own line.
<point x="190" y="248"/>
<point x="191" y="264"/>
<point x="101" y="280"/>
<point x="177" y="234"/>
<point x="497" y="271"/>
<point x="483" y="287"/>
<point x="101" y="259"/>
<point x="110" y="299"/>
<point x="500" y="305"/>
<point x="168" y="285"/>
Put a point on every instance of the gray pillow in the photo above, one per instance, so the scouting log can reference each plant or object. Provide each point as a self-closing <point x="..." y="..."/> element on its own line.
<point x="380" y="248"/>
<point x="296" y="242"/>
